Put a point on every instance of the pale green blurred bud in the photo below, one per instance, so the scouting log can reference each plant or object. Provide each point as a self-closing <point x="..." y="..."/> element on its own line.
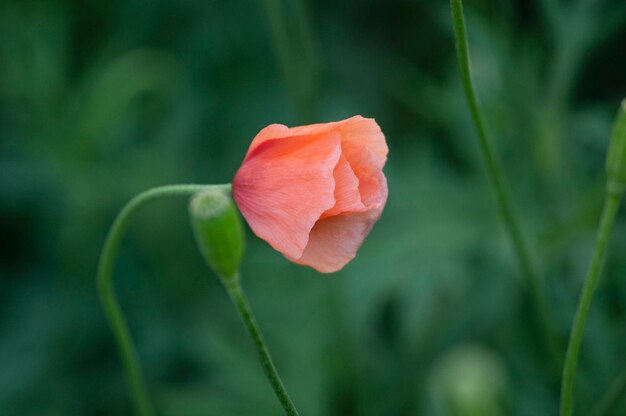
<point x="616" y="156"/>
<point x="469" y="380"/>
<point x="219" y="233"/>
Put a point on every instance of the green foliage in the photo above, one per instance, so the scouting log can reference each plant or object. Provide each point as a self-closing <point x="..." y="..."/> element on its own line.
<point x="101" y="100"/>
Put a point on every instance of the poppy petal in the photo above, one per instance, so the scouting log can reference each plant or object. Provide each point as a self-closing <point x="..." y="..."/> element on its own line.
<point x="273" y="131"/>
<point x="356" y="133"/>
<point x="285" y="185"/>
<point x="334" y="241"/>
<point x="347" y="196"/>
<point x="372" y="182"/>
<point x="359" y="133"/>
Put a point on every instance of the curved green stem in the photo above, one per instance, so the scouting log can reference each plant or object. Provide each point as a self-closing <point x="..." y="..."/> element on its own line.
<point x="106" y="291"/>
<point x="611" y="205"/>
<point x="496" y="175"/>
<point x="243" y="307"/>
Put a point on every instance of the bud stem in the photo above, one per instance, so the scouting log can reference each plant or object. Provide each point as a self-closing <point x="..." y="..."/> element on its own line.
<point x="109" y="301"/>
<point x="243" y="307"/>
<point x="611" y="205"/>
<point x="501" y="189"/>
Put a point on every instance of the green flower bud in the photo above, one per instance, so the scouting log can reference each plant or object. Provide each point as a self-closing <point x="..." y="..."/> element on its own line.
<point x="218" y="230"/>
<point x="616" y="157"/>
<point x="469" y="380"/>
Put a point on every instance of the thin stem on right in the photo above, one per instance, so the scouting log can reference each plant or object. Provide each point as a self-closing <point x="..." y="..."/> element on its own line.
<point x="233" y="286"/>
<point x="496" y="176"/>
<point x="611" y="205"/>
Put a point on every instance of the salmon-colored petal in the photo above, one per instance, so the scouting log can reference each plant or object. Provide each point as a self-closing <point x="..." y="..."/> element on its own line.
<point x="315" y="128"/>
<point x="364" y="147"/>
<point x="314" y="192"/>
<point x="285" y="185"/>
<point x="347" y="196"/>
<point x="273" y="131"/>
<point x="358" y="133"/>
<point x="334" y="241"/>
<point x="372" y="181"/>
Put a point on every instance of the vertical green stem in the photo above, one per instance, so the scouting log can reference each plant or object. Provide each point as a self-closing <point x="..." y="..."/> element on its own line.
<point x="243" y="307"/>
<point x="498" y="182"/>
<point x="109" y="301"/>
<point x="611" y="205"/>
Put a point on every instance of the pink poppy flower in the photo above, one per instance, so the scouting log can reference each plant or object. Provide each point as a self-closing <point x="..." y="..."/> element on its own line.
<point x="314" y="192"/>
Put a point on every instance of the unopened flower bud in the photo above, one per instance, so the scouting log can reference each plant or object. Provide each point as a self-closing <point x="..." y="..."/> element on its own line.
<point x="217" y="227"/>
<point x="616" y="157"/>
<point x="469" y="381"/>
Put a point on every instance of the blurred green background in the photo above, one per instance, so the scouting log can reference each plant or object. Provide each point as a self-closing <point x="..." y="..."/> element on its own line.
<point x="100" y="100"/>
